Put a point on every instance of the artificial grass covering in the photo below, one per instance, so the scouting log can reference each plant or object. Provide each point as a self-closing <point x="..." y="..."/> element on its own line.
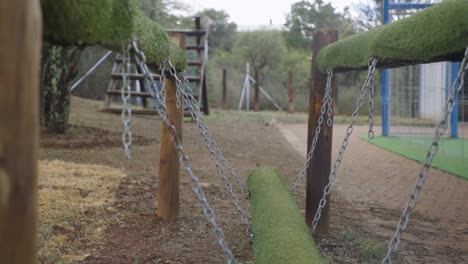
<point x="452" y="156"/>
<point x="434" y="34"/>
<point x="109" y="23"/>
<point x="280" y="233"/>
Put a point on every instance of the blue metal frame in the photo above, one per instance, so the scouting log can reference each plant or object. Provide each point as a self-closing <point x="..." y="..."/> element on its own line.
<point x="387" y="6"/>
<point x="384" y="80"/>
<point x="455" y="67"/>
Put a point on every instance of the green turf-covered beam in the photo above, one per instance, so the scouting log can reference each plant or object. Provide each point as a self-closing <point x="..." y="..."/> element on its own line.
<point x="109" y="23"/>
<point x="435" y="34"/>
<point x="280" y="233"/>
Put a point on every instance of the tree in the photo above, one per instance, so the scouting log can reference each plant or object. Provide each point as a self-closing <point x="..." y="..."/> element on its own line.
<point x="222" y="33"/>
<point x="59" y="67"/>
<point x="367" y="14"/>
<point x="262" y="49"/>
<point x="306" y="17"/>
<point x="162" y="11"/>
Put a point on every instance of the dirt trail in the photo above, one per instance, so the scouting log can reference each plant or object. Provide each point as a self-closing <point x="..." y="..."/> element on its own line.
<point x="377" y="183"/>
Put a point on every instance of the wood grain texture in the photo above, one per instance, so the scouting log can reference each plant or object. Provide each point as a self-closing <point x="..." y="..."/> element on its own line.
<point x="319" y="169"/>
<point x="169" y="164"/>
<point x="20" y="35"/>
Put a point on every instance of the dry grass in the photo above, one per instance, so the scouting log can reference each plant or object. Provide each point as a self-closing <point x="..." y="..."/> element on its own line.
<point x="72" y="200"/>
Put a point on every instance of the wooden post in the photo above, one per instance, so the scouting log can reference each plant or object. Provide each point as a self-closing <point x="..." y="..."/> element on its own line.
<point x="21" y="38"/>
<point x="169" y="164"/>
<point x="257" y="92"/>
<point x="319" y="169"/>
<point x="206" y="109"/>
<point x="291" y="91"/>
<point x="224" y="98"/>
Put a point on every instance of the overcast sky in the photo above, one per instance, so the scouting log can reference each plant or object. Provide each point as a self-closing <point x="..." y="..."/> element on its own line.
<point x="256" y="12"/>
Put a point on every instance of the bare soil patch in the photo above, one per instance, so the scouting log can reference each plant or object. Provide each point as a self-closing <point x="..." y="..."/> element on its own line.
<point x="364" y="210"/>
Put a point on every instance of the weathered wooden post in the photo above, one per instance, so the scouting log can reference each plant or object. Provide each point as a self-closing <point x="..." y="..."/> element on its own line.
<point x="291" y="91"/>
<point x="169" y="164"/>
<point x="21" y="38"/>
<point x="319" y="169"/>
<point x="224" y="98"/>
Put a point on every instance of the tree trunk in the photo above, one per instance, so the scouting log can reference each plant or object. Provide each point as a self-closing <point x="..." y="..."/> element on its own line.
<point x="257" y="92"/>
<point x="59" y="67"/>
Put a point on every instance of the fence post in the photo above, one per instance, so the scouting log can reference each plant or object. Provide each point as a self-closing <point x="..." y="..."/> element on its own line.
<point x="319" y="169"/>
<point x="169" y="164"/>
<point x="291" y="91"/>
<point x="21" y="35"/>
<point x="224" y="98"/>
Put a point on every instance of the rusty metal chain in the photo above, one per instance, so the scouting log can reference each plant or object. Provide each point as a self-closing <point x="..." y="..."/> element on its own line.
<point x="126" y="108"/>
<point x="326" y="107"/>
<point x="432" y="152"/>
<point x="161" y="109"/>
<point x="344" y="145"/>
<point x="216" y="154"/>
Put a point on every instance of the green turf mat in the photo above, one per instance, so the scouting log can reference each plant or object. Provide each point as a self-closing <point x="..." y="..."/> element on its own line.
<point x="280" y="233"/>
<point x="435" y="34"/>
<point x="452" y="156"/>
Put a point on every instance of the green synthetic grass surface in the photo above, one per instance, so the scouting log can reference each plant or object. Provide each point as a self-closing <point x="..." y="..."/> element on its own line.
<point x="109" y="23"/>
<point x="452" y="156"/>
<point x="280" y="233"/>
<point x="436" y="33"/>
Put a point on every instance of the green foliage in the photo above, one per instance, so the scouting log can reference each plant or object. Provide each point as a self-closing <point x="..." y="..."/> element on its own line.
<point x="305" y="18"/>
<point x="160" y="11"/>
<point x="262" y="49"/>
<point x="221" y="32"/>
<point x="280" y="233"/>
<point x="433" y="34"/>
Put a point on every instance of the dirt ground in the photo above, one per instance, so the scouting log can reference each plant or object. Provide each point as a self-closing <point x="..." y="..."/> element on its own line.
<point x="377" y="184"/>
<point x="371" y="190"/>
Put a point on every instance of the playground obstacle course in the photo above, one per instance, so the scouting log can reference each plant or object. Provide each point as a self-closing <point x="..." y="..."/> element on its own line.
<point x="280" y="233"/>
<point x="435" y="34"/>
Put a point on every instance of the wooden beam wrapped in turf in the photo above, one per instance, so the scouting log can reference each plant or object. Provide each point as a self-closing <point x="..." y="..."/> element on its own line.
<point x="435" y="34"/>
<point x="280" y="233"/>
<point x="109" y="23"/>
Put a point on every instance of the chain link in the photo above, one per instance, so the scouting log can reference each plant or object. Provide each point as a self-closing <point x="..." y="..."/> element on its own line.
<point x="330" y="97"/>
<point x="432" y="152"/>
<point x="215" y="153"/>
<point x="349" y="131"/>
<point x="326" y="106"/>
<point x="179" y="84"/>
<point x="126" y="109"/>
<point x="160" y="108"/>
<point x="370" y="135"/>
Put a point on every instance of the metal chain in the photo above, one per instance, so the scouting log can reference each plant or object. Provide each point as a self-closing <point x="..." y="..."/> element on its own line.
<point x="161" y="109"/>
<point x="179" y="84"/>
<point x="370" y="134"/>
<point x="215" y="152"/>
<point x="205" y="131"/>
<point x="432" y="152"/>
<point x="126" y="109"/>
<point x="326" y="106"/>
<point x="162" y="76"/>
<point x="349" y="131"/>
<point x="330" y="98"/>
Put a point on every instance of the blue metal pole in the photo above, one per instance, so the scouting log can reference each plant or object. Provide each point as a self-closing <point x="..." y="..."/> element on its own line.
<point x="385" y="88"/>
<point x="454" y="117"/>
<point x="409" y="6"/>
